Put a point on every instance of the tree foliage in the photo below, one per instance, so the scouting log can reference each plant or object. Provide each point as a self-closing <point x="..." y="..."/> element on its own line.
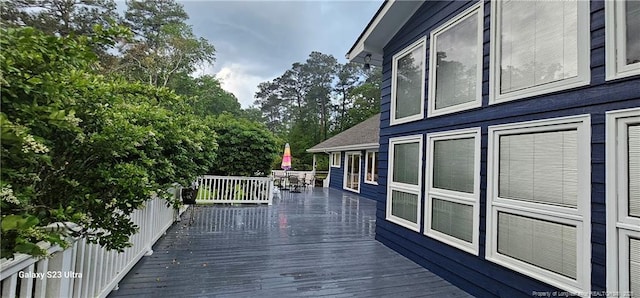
<point x="60" y="17"/>
<point x="79" y="147"/>
<point x="205" y="95"/>
<point x="64" y="18"/>
<point x="316" y="99"/>
<point x="246" y="148"/>
<point x="164" y="44"/>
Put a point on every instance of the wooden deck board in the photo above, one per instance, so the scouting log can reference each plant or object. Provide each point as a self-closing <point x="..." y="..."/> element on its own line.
<point x="319" y="243"/>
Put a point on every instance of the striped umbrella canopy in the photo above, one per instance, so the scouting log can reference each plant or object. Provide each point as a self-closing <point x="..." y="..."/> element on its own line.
<point x="286" y="158"/>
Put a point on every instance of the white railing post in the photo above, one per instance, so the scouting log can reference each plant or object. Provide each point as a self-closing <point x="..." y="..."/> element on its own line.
<point x="9" y="286"/>
<point x="149" y="209"/>
<point x="270" y="191"/>
<point x="60" y="274"/>
<point x="41" y="283"/>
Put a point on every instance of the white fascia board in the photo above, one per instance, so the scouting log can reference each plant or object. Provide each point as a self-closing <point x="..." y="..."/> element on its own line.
<point x="345" y="148"/>
<point x="392" y="16"/>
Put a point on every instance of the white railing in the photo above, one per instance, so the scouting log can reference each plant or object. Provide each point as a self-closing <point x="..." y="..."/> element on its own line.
<point x="84" y="269"/>
<point x="231" y="189"/>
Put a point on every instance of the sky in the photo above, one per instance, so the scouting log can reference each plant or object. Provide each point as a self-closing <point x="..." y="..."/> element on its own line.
<point x="257" y="41"/>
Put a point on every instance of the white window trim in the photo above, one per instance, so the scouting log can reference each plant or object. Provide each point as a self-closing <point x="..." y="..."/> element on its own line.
<point x="419" y="43"/>
<point x="346" y="168"/>
<point x="408" y="188"/>
<point x="620" y="226"/>
<point x="616" y="39"/>
<point x="580" y="217"/>
<point x="454" y="196"/>
<point x="366" y="167"/>
<point x="584" y="64"/>
<point x="335" y="165"/>
<point x="432" y="111"/>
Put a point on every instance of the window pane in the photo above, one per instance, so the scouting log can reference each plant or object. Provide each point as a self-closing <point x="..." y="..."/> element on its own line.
<point x="633" y="31"/>
<point x="634" y="266"/>
<point x="539" y="43"/>
<point x="372" y="172"/>
<point x="409" y="84"/>
<point x="404" y="205"/>
<point x="369" y="166"/>
<point x="375" y="167"/>
<point x="548" y="245"/>
<point x="353" y="171"/>
<point x="405" y="163"/>
<point x="453" y="219"/>
<point x="540" y="167"/>
<point x="453" y="162"/>
<point x="634" y="170"/>
<point x="456" y="65"/>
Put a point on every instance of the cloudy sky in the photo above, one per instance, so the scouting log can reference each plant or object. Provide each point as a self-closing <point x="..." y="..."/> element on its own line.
<point x="257" y="41"/>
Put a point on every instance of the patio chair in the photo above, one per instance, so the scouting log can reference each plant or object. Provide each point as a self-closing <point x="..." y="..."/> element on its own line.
<point x="304" y="182"/>
<point x="294" y="183"/>
<point x="188" y="196"/>
<point x="277" y="182"/>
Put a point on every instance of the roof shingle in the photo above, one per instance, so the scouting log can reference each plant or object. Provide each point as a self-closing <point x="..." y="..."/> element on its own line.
<point x="364" y="135"/>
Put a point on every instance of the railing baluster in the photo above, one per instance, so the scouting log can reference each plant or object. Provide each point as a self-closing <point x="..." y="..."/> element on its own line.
<point x="9" y="286"/>
<point x="40" y="290"/>
<point x="26" y="286"/>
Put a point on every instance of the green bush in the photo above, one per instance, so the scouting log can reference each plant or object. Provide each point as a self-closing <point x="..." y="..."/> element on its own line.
<point x="246" y="148"/>
<point x="79" y="147"/>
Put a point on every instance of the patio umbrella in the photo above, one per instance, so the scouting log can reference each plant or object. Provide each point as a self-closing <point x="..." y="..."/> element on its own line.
<point x="286" y="164"/>
<point x="286" y="158"/>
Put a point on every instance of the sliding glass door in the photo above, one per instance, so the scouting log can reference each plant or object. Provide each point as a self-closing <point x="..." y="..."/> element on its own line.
<point x="352" y="172"/>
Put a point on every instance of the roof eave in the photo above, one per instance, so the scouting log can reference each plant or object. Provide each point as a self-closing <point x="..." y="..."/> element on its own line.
<point x="387" y="21"/>
<point x="344" y="148"/>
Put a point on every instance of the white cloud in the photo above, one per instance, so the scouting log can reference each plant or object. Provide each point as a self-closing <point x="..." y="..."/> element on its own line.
<point x="237" y="79"/>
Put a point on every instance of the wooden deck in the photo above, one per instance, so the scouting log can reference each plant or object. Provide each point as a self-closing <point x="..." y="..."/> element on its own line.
<point x="316" y="243"/>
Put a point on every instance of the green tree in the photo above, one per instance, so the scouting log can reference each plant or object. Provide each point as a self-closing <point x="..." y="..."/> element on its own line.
<point x="365" y="98"/>
<point x="61" y="17"/>
<point x="66" y="17"/>
<point x="275" y="110"/>
<point x="252" y="114"/>
<point x="321" y="71"/>
<point x="315" y="99"/>
<point x="148" y="18"/>
<point x="205" y="95"/>
<point x="165" y="45"/>
<point x="246" y="148"/>
<point x="348" y="77"/>
<point x="81" y="148"/>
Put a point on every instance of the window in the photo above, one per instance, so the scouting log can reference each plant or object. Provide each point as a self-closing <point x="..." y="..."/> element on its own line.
<point x="403" y="187"/>
<point x="371" y="175"/>
<point x="352" y="172"/>
<point x="538" y="47"/>
<point x="407" y="84"/>
<point x="623" y="40"/>
<point x="455" y="70"/>
<point x="538" y="200"/>
<point x="453" y="188"/>
<point x="335" y="159"/>
<point x="623" y="201"/>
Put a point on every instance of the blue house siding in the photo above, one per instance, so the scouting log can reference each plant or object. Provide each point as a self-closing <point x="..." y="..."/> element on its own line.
<point x="473" y="273"/>
<point x="337" y="174"/>
<point x="367" y="190"/>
